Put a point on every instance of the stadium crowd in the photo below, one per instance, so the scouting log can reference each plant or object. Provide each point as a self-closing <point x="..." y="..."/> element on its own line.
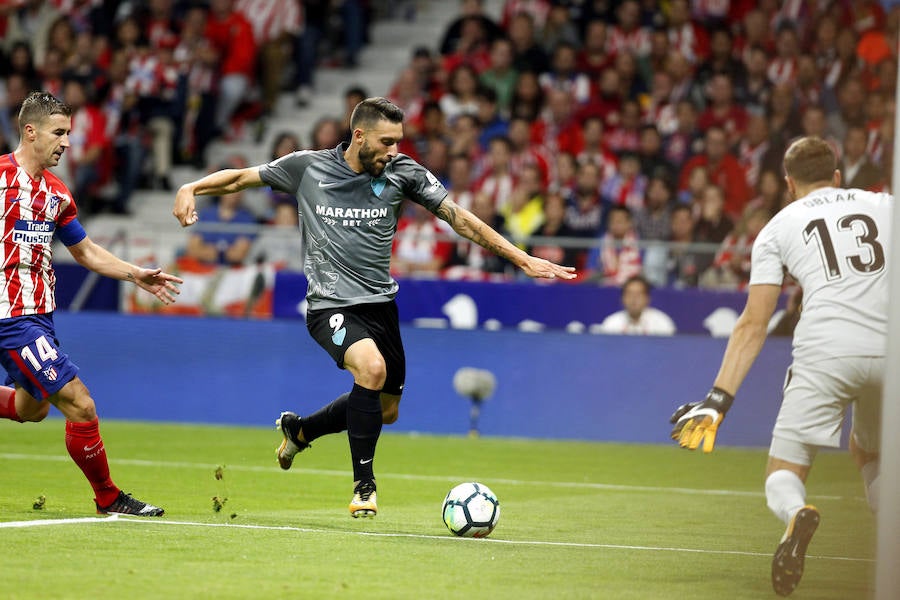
<point x="625" y="138"/>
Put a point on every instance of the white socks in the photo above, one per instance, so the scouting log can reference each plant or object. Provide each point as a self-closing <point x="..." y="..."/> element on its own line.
<point x="785" y="494"/>
<point x="870" y="478"/>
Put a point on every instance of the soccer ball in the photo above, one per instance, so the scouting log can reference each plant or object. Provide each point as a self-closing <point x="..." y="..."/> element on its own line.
<point x="471" y="510"/>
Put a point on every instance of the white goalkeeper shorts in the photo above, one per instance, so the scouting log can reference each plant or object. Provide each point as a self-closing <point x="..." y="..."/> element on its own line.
<point x="816" y="397"/>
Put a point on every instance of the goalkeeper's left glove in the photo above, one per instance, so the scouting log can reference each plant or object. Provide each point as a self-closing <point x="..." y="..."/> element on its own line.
<point x="696" y="422"/>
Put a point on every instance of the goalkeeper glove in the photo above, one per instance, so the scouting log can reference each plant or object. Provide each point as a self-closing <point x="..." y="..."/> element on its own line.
<point x="696" y="422"/>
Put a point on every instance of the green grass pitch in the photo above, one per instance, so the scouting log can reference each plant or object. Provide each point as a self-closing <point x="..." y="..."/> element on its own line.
<point x="578" y="520"/>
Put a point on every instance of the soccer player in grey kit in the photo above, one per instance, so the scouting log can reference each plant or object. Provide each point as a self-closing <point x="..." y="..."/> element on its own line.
<point x="349" y="201"/>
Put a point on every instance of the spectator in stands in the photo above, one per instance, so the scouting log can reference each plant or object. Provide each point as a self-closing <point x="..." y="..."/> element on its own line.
<point x="468" y="9"/>
<point x="722" y="111"/>
<point x="650" y="153"/>
<point x="713" y="224"/>
<point x="525" y="153"/>
<point x="593" y="57"/>
<point x="652" y="219"/>
<point x="618" y="256"/>
<point x="558" y="127"/>
<point x="460" y="97"/>
<point x="687" y="139"/>
<point x="722" y="60"/>
<point x="596" y="151"/>
<point x="86" y="162"/>
<point x="755" y="151"/>
<point x="627" y="186"/>
<point x="464" y="133"/>
<point x="698" y="180"/>
<point x="683" y="264"/>
<point x="637" y="316"/>
<point x="407" y="93"/>
<point x="564" y="175"/>
<point x="523" y="214"/>
<point x="783" y="115"/>
<point x="684" y="86"/>
<point x="857" y="169"/>
<point x="631" y="81"/>
<point x="723" y="169"/>
<point x="690" y="39"/>
<point x="528" y="97"/>
<point x="459" y="181"/>
<point x="814" y="124"/>
<point x="564" y="76"/>
<point x="326" y="133"/>
<point x="21" y="61"/>
<point x="583" y="208"/>
<point x="275" y="25"/>
<point x="553" y="248"/>
<point x="421" y="247"/>
<point x="628" y="34"/>
<point x="527" y="53"/>
<point x="123" y="129"/>
<point x="493" y="124"/>
<point x="497" y="180"/>
<point x="850" y="108"/>
<point x="731" y="266"/>
<point x="755" y="91"/>
<point x="218" y="244"/>
<point x="783" y="66"/>
<point x="31" y="24"/>
<point x="500" y="75"/>
<point x="472" y="49"/>
<point x="314" y="16"/>
<point x="771" y="191"/>
<point x="231" y="37"/>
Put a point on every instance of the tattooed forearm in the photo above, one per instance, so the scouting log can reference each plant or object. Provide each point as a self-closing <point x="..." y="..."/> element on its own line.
<point x="447" y="211"/>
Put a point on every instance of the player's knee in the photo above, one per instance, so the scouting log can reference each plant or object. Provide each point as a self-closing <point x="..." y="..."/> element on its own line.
<point x="373" y="373"/>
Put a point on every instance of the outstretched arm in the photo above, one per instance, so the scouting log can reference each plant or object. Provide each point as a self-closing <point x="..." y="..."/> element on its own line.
<point x="471" y="227"/>
<point x="226" y="181"/>
<point x="102" y="261"/>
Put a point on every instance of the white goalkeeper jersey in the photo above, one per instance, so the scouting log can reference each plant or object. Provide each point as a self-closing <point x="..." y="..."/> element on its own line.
<point x="834" y="242"/>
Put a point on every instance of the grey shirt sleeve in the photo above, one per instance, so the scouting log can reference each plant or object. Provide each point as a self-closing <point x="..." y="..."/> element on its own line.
<point x="284" y="174"/>
<point x="419" y="184"/>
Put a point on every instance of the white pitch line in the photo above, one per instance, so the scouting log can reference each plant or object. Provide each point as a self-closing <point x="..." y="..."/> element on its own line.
<point x="43" y="522"/>
<point x="442" y="538"/>
<point x="416" y="477"/>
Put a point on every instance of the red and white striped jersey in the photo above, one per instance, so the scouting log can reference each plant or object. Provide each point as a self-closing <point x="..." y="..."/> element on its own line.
<point x="32" y="210"/>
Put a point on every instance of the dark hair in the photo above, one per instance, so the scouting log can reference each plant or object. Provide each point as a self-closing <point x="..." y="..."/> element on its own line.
<point x="371" y="110"/>
<point x="40" y="105"/>
<point x="638" y="279"/>
<point x="810" y="160"/>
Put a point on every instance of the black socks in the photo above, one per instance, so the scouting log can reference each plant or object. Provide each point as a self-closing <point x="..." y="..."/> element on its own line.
<point x="331" y="418"/>
<point x="363" y="428"/>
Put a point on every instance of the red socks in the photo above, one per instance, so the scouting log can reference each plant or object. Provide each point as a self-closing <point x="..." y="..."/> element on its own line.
<point x="8" y="404"/>
<point x="86" y="449"/>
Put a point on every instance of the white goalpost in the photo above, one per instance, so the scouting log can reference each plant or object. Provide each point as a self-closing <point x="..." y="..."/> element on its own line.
<point x="887" y="570"/>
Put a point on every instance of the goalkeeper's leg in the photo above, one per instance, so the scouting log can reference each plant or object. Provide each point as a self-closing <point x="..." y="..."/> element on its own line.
<point x="868" y="464"/>
<point x="788" y="467"/>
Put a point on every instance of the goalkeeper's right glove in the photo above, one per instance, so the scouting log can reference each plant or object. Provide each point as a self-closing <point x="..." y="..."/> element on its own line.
<point x="696" y="422"/>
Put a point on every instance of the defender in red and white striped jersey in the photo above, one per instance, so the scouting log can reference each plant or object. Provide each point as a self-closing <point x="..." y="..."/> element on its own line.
<point x="833" y="242"/>
<point x="36" y="206"/>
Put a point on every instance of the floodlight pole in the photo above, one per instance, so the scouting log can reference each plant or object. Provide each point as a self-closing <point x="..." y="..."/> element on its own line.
<point x="887" y="570"/>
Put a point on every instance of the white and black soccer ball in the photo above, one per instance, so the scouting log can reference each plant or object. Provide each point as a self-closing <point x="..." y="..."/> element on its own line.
<point x="471" y="510"/>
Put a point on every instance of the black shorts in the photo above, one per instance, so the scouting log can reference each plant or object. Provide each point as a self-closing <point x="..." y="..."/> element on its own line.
<point x="336" y="329"/>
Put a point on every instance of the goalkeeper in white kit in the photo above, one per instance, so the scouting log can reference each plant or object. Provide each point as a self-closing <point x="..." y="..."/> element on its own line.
<point x="834" y="242"/>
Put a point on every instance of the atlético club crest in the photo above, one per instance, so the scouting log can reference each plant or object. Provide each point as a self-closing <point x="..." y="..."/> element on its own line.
<point x="54" y="200"/>
<point x="50" y="373"/>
